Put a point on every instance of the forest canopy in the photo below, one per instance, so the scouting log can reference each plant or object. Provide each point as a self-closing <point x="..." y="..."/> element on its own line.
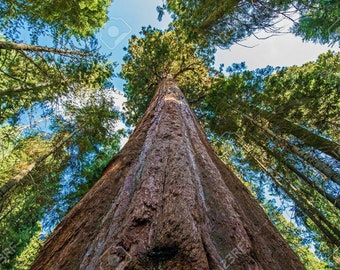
<point x="276" y="128"/>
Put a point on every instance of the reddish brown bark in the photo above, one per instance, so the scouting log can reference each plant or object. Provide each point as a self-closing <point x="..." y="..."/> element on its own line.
<point x="166" y="201"/>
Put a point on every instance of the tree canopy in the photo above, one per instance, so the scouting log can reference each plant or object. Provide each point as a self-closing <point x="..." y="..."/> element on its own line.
<point x="67" y="18"/>
<point x="156" y="55"/>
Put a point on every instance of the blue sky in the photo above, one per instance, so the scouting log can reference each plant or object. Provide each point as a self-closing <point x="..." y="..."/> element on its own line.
<point x="125" y="19"/>
<point x="128" y="16"/>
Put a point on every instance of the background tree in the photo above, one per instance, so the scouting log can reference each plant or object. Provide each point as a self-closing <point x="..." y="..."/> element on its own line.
<point x="319" y="22"/>
<point x="83" y="133"/>
<point x="31" y="77"/>
<point x="67" y="18"/>
<point x="57" y="117"/>
<point x="255" y="114"/>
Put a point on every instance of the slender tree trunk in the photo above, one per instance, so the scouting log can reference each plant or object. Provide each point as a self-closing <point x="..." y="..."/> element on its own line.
<point x="166" y="201"/>
<point x="327" y="228"/>
<point x="315" y="162"/>
<point x="8" y="45"/>
<point x="313" y="185"/>
<point x="20" y="176"/>
<point x="309" y="138"/>
<point x="334" y="200"/>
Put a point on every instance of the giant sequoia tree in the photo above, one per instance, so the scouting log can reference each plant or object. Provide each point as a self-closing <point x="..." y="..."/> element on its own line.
<point x="166" y="200"/>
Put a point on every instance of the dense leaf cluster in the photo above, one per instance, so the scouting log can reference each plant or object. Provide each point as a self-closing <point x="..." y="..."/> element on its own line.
<point x="158" y="55"/>
<point x="61" y="18"/>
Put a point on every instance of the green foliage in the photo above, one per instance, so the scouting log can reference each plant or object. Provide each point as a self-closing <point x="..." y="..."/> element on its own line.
<point x="320" y="22"/>
<point x="307" y="95"/>
<point x="25" y="204"/>
<point x="24" y="260"/>
<point x="157" y="55"/>
<point x="68" y="18"/>
<point x="33" y="162"/>
<point x="224" y="23"/>
<point x="70" y="90"/>
<point x="30" y="77"/>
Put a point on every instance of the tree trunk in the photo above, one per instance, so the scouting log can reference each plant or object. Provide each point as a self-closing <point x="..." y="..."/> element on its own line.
<point x="298" y="196"/>
<point x="23" y="173"/>
<point x="281" y="159"/>
<point x="326" y="227"/>
<point x="308" y="137"/>
<point x="8" y="45"/>
<point x="166" y="201"/>
<point x="315" y="162"/>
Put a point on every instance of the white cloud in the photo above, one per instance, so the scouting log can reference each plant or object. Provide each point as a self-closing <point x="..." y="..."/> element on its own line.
<point x="284" y="50"/>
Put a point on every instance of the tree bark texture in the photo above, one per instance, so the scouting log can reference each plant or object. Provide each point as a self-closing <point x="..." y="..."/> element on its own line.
<point x="166" y="201"/>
